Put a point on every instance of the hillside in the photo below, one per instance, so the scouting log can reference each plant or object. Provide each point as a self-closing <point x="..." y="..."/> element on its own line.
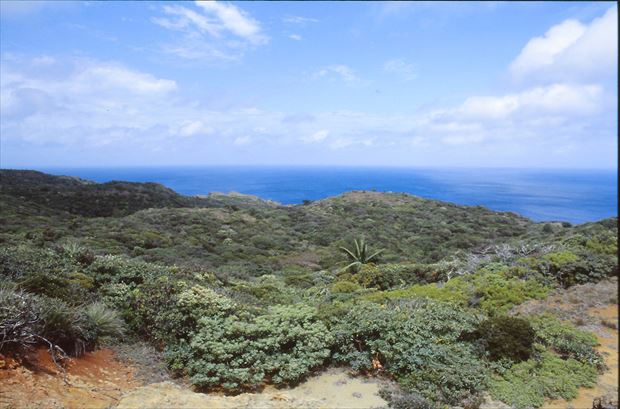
<point x="233" y="292"/>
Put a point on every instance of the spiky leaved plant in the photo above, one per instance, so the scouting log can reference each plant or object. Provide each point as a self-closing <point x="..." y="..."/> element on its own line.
<point x="360" y="255"/>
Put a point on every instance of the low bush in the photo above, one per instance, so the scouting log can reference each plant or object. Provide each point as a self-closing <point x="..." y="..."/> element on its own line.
<point x="504" y="338"/>
<point x="494" y="293"/>
<point x="27" y="320"/>
<point x="20" y="319"/>
<point x="102" y="322"/>
<point x="237" y="351"/>
<point x="419" y="342"/>
<point x="386" y="276"/>
<point x="567" y="341"/>
<point x="529" y="383"/>
<point x="397" y="398"/>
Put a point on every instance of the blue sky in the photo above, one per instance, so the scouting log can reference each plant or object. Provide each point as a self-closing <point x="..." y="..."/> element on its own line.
<point x="487" y="84"/>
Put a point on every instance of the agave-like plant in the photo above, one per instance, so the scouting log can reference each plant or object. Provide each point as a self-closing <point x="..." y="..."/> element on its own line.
<point x="359" y="255"/>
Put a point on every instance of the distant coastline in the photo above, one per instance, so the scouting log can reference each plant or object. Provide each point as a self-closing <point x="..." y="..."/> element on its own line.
<point x="576" y="196"/>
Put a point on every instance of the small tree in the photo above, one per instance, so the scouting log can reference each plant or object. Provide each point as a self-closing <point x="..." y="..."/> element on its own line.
<point x="359" y="255"/>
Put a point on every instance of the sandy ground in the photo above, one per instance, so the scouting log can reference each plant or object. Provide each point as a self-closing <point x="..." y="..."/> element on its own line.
<point x="334" y="388"/>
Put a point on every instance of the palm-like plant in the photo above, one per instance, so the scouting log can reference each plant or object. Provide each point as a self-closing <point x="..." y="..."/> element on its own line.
<point x="360" y="255"/>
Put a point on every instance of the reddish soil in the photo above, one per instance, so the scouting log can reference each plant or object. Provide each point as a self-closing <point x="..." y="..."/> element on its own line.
<point x="95" y="380"/>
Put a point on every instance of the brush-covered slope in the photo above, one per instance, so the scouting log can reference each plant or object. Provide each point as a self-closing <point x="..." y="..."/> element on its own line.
<point x="241" y="232"/>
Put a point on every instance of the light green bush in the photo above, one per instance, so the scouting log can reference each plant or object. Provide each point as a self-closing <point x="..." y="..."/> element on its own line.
<point x="238" y="351"/>
<point x="567" y="340"/>
<point x="528" y="383"/>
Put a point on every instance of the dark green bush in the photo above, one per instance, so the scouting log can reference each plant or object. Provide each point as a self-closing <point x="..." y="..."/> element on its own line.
<point x="418" y="342"/>
<point x="505" y="338"/>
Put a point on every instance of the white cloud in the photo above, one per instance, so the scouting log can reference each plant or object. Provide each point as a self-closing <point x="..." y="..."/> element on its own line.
<point x="401" y="68"/>
<point x="462" y="139"/>
<point x="235" y="20"/>
<point x="553" y="99"/>
<point x="299" y="20"/>
<point x="212" y="31"/>
<point x="295" y="37"/>
<point x="571" y="51"/>
<point x="242" y="140"/>
<point x="316" y="137"/>
<point x="87" y="103"/>
<point x="113" y="76"/>
<point x="192" y="128"/>
<point x="340" y="71"/>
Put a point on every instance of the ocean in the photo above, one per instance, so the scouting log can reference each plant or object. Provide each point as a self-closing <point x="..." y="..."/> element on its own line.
<point x="576" y="196"/>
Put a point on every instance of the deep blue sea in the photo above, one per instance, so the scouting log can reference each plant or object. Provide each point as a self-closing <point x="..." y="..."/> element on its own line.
<point x="542" y="195"/>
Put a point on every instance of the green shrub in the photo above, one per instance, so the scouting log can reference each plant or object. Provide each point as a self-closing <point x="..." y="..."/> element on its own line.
<point x="567" y="340"/>
<point x="63" y="326"/>
<point x="115" y="269"/>
<point x="452" y="375"/>
<point x="497" y="294"/>
<point x="494" y="293"/>
<point x="397" y="398"/>
<point x="237" y="351"/>
<point x="78" y="254"/>
<point x="579" y="266"/>
<point x="529" y="383"/>
<point x="505" y="338"/>
<point x="418" y="342"/>
<point x="103" y="322"/>
<point x="386" y="276"/>
<point x="455" y="291"/>
<point x="47" y="272"/>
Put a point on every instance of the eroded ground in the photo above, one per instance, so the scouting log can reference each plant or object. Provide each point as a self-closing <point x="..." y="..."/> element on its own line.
<point x="99" y="380"/>
<point x="95" y="381"/>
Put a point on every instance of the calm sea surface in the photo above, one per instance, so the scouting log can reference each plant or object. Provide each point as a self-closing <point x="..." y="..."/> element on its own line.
<point x="574" y="196"/>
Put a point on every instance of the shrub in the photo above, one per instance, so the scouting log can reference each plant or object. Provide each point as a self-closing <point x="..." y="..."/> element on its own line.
<point x="385" y="276"/>
<point x="452" y="374"/>
<point x="528" y="383"/>
<point x="62" y="325"/>
<point x="455" y="291"/>
<point x="397" y="398"/>
<point x="567" y="341"/>
<point x="77" y="253"/>
<point x="115" y="269"/>
<point x="103" y="322"/>
<point x="20" y="319"/>
<point x="496" y="294"/>
<point x="237" y="351"/>
<point x="418" y="342"/>
<point x="505" y="338"/>
<point x="46" y="272"/>
<point x="579" y="267"/>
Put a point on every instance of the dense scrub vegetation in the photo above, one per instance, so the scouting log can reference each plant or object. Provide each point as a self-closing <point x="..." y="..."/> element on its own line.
<point x="237" y="292"/>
